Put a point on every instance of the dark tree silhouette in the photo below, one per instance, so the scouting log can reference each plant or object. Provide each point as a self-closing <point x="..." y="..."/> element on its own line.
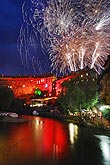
<point x="6" y="98"/>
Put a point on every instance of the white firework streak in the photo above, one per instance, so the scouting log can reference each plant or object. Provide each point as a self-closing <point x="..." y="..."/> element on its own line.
<point x="104" y="21"/>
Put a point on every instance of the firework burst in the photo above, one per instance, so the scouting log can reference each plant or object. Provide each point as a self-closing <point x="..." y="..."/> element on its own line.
<point x="76" y="34"/>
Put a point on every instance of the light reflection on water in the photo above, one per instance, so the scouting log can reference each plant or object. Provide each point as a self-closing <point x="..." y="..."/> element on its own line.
<point x="73" y="132"/>
<point x="105" y="148"/>
<point x="46" y="141"/>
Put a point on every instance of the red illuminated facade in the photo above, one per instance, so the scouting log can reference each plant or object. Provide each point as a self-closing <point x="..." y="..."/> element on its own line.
<point x="24" y="86"/>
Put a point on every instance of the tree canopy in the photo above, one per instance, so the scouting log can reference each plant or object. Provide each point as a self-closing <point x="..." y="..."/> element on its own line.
<point x="6" y="98"/>
<point x="79" y="93"/>
<point x="105" y="88"/>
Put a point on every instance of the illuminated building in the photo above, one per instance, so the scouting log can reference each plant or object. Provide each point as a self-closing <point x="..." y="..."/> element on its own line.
<point x="23" y="86"/>
<point x="49" y="84"/>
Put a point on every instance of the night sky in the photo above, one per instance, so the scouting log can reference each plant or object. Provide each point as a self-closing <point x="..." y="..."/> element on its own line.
<point x="10" y="23"/>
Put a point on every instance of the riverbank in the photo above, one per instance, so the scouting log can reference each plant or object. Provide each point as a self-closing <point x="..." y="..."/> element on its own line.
<point x="75" y="120"/>
<point x="12" y="119"/>
<point x="58" y="116"/>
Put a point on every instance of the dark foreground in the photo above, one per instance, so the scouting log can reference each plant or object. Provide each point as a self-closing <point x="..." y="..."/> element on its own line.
<point x="43" y="141"/>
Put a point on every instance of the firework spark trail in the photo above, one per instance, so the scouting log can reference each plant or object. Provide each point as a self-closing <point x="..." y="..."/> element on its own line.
<point x="28" y="38"/>
<point x="76" y="34"/>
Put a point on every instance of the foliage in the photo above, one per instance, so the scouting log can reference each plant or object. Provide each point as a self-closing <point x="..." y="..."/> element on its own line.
<point x="79" y="93"/>
<point x="64" y="102"/>
<point x="106" y="113"/>
<point x="6" y="98"/>
<point x="105" y="87"/>
<point x="17" y="104"/>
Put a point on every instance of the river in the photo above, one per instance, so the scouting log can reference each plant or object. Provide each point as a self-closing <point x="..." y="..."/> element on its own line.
<point x="43" y="141"/>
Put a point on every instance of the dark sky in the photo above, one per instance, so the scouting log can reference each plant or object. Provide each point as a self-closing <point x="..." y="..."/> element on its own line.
<point x="10" y="23"/>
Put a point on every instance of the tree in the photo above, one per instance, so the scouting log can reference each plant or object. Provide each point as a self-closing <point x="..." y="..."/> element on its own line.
<point x="106" y="113"/>
<point x="6" y="98"/>
<point x="79" y="93"/>
<point x="105" y="88"/>
<point x="17" y="105"/>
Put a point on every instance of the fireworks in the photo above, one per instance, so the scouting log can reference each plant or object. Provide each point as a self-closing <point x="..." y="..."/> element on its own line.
<point x="76" y="34"/>
<point x="28" y="41"/>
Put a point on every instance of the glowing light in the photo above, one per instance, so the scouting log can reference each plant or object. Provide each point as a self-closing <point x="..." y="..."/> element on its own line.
<point x="37" y="92"/>
<point x="73" y="130"/>
<point x="103" y="107"/>
<point x="46" y="85"/>
<point x="75" y="34"/>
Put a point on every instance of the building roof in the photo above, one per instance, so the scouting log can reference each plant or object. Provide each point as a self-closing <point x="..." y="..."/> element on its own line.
<point x="28" y="76"/>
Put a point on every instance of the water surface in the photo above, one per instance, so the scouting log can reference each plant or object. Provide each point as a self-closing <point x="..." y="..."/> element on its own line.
<point x="43" y="141"/>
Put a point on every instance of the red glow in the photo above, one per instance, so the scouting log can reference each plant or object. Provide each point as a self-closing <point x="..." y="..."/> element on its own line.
<point x="54" y="138"/>
<point x="41" y="138"/>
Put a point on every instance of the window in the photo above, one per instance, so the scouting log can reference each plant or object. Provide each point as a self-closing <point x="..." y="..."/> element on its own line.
<point x="46" y="85"/>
